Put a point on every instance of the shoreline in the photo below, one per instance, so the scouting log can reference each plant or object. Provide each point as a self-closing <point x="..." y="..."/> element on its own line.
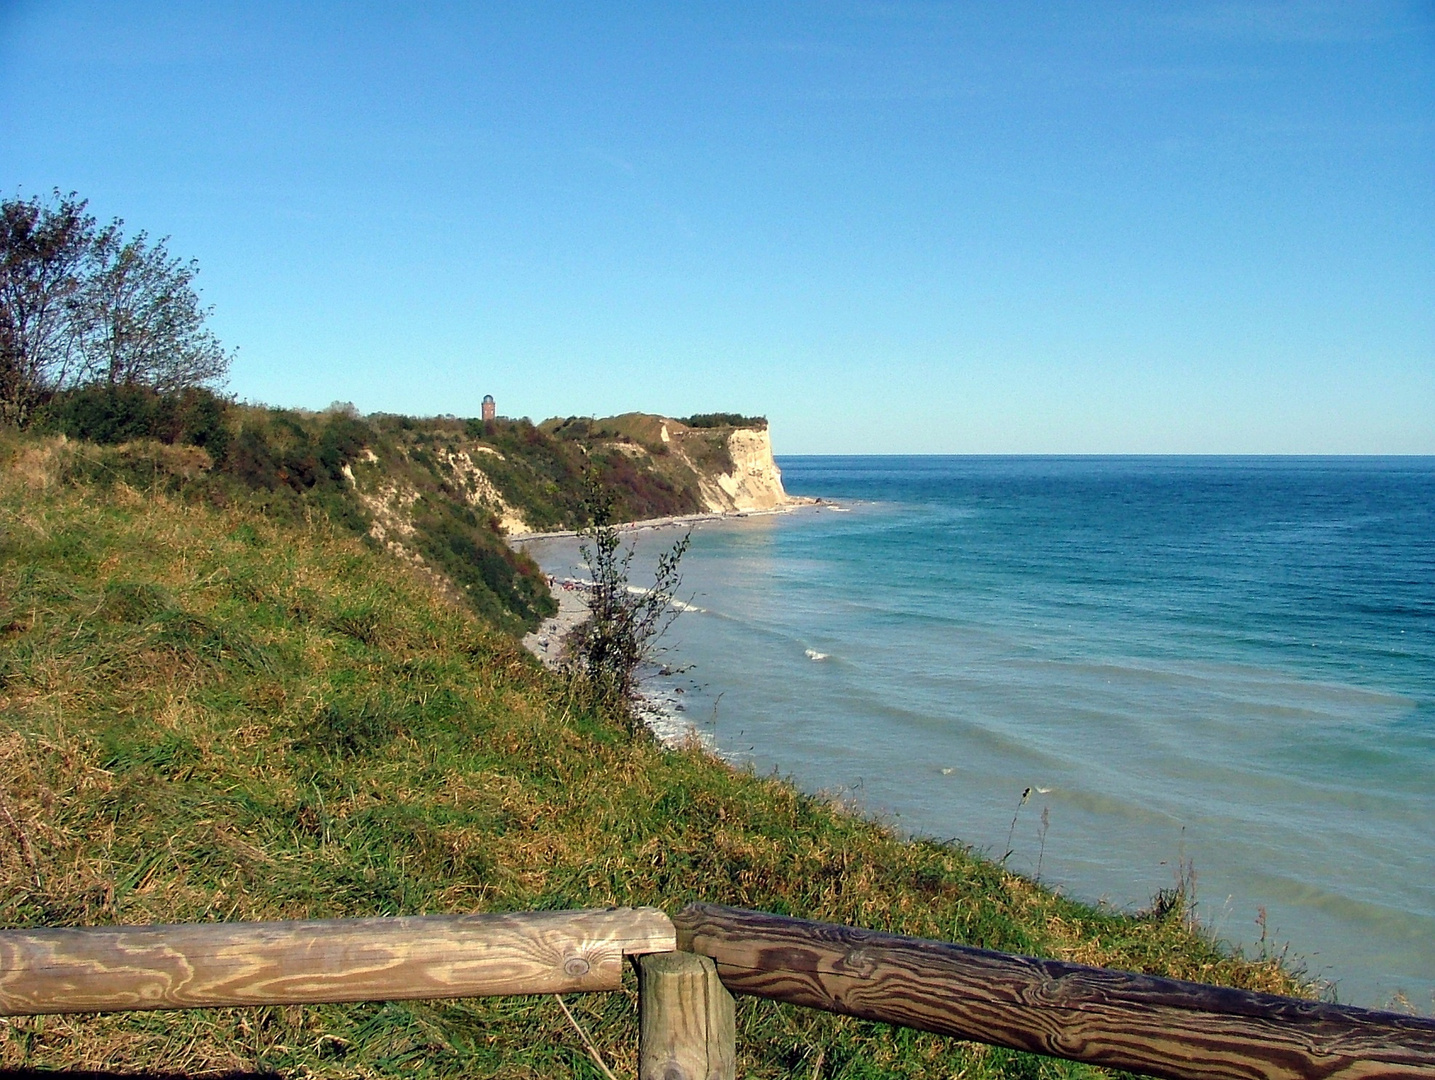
<point x="546" y="642"/>
<point x="661" y="716"/>
<point x="675" y="722"/>
<point x="659" y="712"/>
<point x="794" y="504"/>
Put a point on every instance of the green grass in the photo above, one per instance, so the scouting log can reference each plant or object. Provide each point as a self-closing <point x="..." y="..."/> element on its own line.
<point x="213" y="714"/>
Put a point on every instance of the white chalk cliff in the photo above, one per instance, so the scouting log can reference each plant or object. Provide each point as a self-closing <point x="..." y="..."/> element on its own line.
<point x="755" y="482"/>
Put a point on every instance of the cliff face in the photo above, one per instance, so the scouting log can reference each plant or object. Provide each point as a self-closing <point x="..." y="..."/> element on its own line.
<point x="754" y="481"/>
<point x="444" y="493"/>
<point x="722" y="469"/>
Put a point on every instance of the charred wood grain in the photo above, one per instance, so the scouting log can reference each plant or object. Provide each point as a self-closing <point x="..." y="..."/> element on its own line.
<point x="104" y="969"/>
<point x="1161" y="1027"/>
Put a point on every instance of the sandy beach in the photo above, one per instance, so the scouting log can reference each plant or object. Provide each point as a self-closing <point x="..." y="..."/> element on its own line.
<point x="546" y="642"/>
<point x="675" y="521"/>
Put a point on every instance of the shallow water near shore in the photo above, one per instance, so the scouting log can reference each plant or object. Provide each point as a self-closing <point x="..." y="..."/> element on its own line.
<point x="1229" y="661"/>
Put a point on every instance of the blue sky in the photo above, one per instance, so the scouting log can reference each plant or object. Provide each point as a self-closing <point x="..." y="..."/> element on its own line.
<point x="890" y="227"/>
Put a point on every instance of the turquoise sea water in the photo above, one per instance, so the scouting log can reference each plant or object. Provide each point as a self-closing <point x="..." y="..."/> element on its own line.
<point x="1225" y="660"/>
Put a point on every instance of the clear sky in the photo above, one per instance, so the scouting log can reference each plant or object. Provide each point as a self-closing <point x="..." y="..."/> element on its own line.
<point x="890" y="227"/>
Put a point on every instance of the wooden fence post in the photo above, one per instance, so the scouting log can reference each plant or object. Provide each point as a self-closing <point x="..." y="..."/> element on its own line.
<point x="685" y="1019"/>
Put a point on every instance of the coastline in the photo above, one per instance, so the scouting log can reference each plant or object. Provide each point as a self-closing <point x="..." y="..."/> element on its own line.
<point x="794" y="503"/>
<point x="660" y="713"/>
<point x="546" y="642"/>
<point x="979" y="643"/>
<point x="436" y="764"/>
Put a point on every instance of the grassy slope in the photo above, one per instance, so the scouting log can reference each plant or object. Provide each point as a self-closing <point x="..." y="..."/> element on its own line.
<point x="210" y="714"/>
<point x="312" y="461"/>
<point x="435" y="487"/>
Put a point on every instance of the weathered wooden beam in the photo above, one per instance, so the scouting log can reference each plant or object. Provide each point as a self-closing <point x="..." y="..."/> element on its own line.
<point x="686" y="1024"/>
<point x="105" y="969"/>
<point x="1161" y="1027"/>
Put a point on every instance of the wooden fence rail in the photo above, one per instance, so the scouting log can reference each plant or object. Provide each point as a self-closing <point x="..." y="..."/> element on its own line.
<point x="196" y="965"/>
<point x="1161" y="1027"/>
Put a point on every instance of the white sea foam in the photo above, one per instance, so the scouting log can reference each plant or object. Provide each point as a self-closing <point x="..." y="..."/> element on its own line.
<point x="675" y="604"/>
<point x="813" y="654"/>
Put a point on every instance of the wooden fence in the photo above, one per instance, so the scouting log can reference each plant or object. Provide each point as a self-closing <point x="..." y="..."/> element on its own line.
<point x="1161" y="1027"/>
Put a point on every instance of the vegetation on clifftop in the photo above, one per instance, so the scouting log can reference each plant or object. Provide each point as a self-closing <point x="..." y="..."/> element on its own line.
<point x="441" y="490"/>
<point x="725" y="419"/>
<point x="221" y="703"/>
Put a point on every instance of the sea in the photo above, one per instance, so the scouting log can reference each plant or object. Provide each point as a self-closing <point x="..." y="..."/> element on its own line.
<point x="1118" y="675"/>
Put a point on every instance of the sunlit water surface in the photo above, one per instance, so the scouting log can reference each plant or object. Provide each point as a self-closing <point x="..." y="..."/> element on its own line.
<point x="1224" y="660"/>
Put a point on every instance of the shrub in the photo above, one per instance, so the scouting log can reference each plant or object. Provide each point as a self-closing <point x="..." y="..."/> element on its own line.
<point x="126" y="412"/>
<point x="623" y="624"/>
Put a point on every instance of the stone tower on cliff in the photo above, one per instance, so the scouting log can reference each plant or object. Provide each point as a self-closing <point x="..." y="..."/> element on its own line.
<point x="489" y="408"/>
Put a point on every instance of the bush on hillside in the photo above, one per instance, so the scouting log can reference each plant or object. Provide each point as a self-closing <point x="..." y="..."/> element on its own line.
<point x="81" y="306"/>
<point x="636" y="494"/>
<point x="505" y="587"/>
<point x="117" y="414"/>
